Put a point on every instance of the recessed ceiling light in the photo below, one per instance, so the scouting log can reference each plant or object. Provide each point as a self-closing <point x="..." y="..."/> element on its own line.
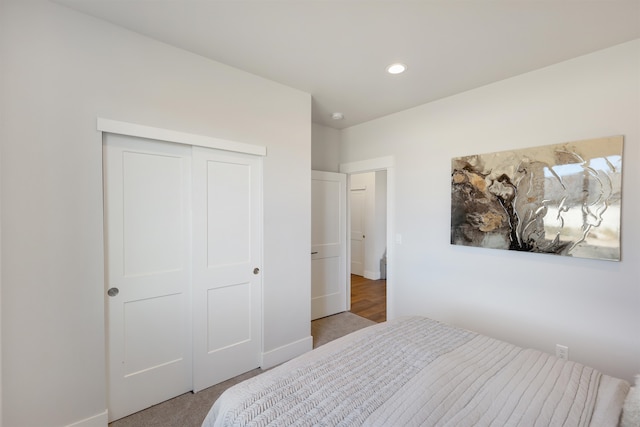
<point x="396" y="68"/>
<point x="337" y="116"/>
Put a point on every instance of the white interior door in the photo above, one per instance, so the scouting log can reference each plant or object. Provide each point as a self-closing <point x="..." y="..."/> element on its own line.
<point x="328" y="244"/>
<point x="357" y="231"/>
<point x="227" y="206"/>
<point x="148" y="245"/>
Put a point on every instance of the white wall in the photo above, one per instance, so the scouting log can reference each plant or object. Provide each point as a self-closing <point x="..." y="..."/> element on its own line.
<point x="325" y="148"/>
<point x="61" y="70"/>
<point x="529" y="299"/>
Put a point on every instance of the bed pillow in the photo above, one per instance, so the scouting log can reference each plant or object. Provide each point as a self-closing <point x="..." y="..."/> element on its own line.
<point x="631" y="408"/>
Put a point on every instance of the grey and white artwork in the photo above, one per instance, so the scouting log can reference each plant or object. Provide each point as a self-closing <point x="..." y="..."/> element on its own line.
<point x="561" y="199"/>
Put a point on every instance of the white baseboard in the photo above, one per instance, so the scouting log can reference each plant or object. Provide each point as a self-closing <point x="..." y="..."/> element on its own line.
<point x="100" y="420"/>
<point x="286" y="352"/>
<point x="372" y="275"/>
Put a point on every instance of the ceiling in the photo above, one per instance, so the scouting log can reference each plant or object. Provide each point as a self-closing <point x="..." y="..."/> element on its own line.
<point x="338" y="50"/>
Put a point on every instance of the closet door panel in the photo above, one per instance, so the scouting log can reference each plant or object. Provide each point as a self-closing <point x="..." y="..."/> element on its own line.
<point x="226" y="265"/>
<point x="147" y="190"/>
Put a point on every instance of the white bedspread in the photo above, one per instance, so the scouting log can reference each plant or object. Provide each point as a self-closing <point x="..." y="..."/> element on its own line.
<point x="418" y="372"/>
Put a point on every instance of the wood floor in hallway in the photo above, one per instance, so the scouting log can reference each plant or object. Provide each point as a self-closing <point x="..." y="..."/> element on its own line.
<point x="369" y="298"/>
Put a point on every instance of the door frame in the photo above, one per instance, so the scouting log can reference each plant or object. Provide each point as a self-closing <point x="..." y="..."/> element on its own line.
<point x="374" y="165"/>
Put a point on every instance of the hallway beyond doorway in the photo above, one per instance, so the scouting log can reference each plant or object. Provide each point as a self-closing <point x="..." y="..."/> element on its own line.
<point x="369" y="298"/>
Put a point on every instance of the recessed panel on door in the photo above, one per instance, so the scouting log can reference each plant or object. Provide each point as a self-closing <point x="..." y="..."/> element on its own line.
<point x="228" y="213"/>
<point x="152" y="347"/>
<point x="325" y="276"/>
<point x="326" y="204"/>
<point x="228" y="306"/>
<point x="153" y="213"/>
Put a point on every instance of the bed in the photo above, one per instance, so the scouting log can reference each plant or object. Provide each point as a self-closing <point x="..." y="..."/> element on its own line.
<point x="414" y="371"/>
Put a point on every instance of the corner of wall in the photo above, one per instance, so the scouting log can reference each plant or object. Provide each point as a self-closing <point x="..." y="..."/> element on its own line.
<point x="325" y="148"/>
<point x="372" y="275"/>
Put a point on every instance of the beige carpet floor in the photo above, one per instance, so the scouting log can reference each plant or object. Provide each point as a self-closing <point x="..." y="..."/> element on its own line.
<point x="189" y="409"/>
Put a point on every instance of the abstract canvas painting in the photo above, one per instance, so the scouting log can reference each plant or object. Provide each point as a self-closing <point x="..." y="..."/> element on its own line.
<point x="561" y="199"/>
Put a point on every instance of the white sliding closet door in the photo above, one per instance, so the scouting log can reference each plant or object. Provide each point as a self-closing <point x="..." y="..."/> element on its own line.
<point x="227" y="237"/>
<point x="148" y="239"/>
<point x="183" y="241"/>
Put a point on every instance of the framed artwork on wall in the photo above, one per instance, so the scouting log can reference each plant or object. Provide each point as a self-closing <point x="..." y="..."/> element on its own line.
<point x="561" y="199"/>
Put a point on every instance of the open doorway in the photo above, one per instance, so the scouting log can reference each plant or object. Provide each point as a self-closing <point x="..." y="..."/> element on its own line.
<point x="368" y="244"/>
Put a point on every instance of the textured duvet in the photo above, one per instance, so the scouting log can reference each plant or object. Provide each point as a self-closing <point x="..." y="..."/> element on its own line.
<point x="418" y="372"/>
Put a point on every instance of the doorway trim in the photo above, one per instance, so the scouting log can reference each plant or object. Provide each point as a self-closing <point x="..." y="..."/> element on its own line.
<point x="373" y="165"/>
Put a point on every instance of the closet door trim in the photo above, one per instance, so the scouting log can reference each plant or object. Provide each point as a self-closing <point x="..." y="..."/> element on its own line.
<point x="159" y="134"/>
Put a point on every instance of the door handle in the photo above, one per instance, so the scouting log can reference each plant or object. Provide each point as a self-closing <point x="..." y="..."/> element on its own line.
<point x="256" y="270"/>
<point x="313" y="253"/>
<point x="112" y="292"/>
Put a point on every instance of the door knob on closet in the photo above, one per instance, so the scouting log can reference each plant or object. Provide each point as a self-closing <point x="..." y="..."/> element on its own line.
<point x="112" y="292"/>
<point x="256" y="270"/>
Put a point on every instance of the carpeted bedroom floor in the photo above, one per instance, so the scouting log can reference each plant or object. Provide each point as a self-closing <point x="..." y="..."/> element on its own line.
<point x="189" y="410"/>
